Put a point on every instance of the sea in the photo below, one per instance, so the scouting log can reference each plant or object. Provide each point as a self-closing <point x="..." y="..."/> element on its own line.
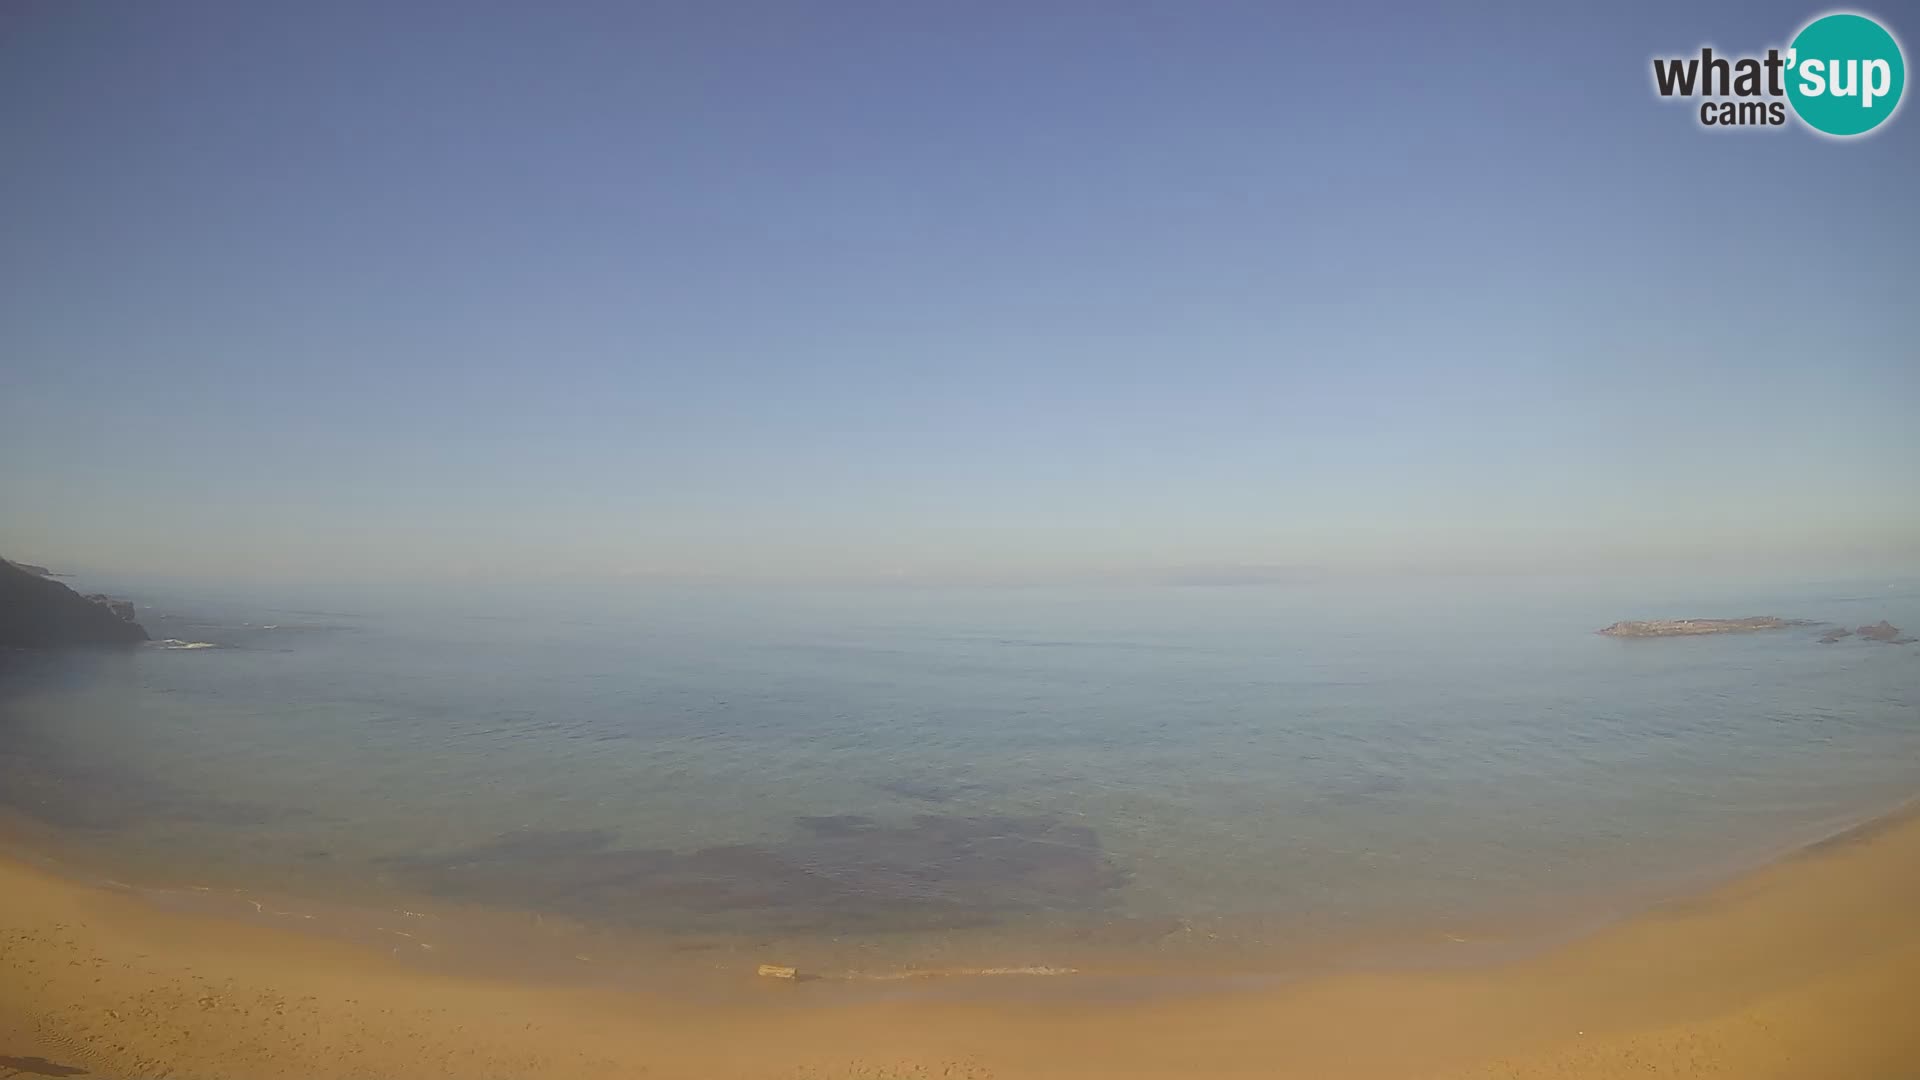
<point x="672" y="784"/>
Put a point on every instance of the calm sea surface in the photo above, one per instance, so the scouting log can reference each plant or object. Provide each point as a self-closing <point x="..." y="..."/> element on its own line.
<point x="898" y="766"/>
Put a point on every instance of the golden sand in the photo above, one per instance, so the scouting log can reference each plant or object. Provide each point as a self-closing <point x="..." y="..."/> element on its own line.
<point x="1808" y="968"/>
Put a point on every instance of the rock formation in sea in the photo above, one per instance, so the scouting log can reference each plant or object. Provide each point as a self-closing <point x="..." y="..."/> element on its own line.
<point x="37" y="612"/>
<point x="121" y="608"/>
<point x="1692" y="627"/>
<point x="1883" y="630"/>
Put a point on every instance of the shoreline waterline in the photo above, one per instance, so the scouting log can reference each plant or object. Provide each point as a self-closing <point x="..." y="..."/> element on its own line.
<point x="1799" y="968"/>
<point x="1123" y="958"/>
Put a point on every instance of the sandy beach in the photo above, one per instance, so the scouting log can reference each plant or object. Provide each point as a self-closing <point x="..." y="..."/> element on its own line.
<point x="1802" y="969"/>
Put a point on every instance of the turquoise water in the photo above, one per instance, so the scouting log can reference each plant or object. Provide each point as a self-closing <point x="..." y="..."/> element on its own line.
<point x="902" y="762"/>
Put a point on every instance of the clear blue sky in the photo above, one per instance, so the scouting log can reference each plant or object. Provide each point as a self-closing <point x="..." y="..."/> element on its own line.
<point x="970" y="291"/>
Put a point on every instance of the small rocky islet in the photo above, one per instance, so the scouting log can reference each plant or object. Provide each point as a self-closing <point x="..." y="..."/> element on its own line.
<point x="1694" y="627"/>
<point x="1882" y="631"/>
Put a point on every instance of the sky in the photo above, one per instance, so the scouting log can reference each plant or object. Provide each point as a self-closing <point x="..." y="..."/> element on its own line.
<point x="904" y="291"/>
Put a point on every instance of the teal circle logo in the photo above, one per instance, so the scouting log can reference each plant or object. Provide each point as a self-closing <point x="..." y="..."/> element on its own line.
<point x="1845" y="74"/>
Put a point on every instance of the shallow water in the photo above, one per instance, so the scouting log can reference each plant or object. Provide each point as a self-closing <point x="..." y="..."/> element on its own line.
<point x="895" y="766"/>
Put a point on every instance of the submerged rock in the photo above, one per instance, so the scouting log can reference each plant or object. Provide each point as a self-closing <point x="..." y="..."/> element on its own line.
<point x="1880" y="631"/>
<point x="1834" y="635"/>
<point x="39" y="613"/>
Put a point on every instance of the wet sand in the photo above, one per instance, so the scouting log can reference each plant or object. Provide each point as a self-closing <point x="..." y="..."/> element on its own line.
<point x="1803" y="969"/>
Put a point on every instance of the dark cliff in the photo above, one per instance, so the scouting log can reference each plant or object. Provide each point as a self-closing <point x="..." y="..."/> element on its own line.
<point x="39" y="613"/>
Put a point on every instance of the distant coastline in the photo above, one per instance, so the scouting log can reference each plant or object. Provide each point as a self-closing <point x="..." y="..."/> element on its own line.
<point x="32" y="569"/>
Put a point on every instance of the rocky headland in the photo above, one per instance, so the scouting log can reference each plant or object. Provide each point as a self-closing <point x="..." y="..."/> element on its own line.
<point x="37" y="612"/>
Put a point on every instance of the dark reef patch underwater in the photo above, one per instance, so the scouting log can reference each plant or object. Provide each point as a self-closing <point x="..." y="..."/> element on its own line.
<point x="836" y="872"/>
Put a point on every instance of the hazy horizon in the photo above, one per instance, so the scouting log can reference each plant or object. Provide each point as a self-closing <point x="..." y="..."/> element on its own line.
<point x="1062" y="294"/>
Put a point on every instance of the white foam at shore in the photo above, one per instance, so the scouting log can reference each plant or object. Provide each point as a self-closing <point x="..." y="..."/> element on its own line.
<point x="176" y="643"/>
<point x="936" y="973"/>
